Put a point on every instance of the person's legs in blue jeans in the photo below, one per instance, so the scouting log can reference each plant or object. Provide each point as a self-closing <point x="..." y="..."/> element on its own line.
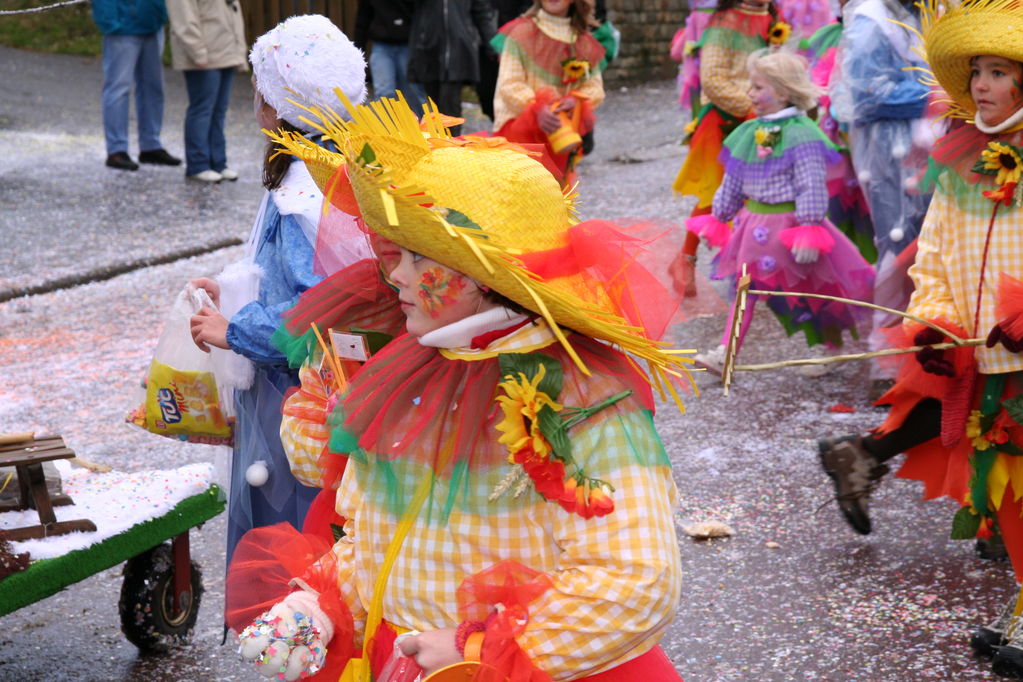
<point x="382" y="66"/>
<point x="120" y="54"/>
<point x="201" y="85"/>
<point x="149" y="91"/>
<point x="217" y="142"/>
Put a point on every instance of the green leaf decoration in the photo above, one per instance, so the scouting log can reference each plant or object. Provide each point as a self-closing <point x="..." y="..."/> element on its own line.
<point x="965" y="524"/>
<point x="1010" y="449"/>
<point x="979" y="168"/>
<point x="461" y="220"/>
<point x="986" y="422"/>
<point x="1014" y="408"/>
<point x="367" y="155"/>
<point x="338" y="531"/>
<point x="529" y="364"/>
<point x="553" y="429"/>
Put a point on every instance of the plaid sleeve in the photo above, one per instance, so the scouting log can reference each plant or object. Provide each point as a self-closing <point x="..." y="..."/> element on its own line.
<point x="593" y="88"/>
<point x="724" y="84"/>
<point x="932" y="296"/>
<point x="349" y="499"/>
<point x="513" y="93"/>
<point x="304" y="432"/>
<point x="810" y="178"/>
<point x="728" y="198"/>
<point x="617" y="580"/>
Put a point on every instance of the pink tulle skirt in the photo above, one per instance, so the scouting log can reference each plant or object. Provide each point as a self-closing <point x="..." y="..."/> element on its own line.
<point x="756" y="242"/>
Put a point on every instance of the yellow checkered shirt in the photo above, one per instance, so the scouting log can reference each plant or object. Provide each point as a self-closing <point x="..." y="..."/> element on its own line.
<point x="617" y="579"/>
<point x="946" y="274"/>
<point x="724" y="79"/>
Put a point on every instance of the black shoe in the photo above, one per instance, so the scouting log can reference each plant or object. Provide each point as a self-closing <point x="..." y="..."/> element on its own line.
<point x="121" y="161"/>
<point x="986" y="640"/>
<point x="1008" y="661"/>
<point x="158" y="156"/>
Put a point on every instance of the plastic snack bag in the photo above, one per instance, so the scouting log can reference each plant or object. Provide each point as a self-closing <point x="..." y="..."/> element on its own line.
<point x="181" y="398"/>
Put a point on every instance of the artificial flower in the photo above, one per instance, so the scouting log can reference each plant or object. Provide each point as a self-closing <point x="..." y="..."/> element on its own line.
<point x="779" y="33"/>
<point x="1004" y="160"/>
<point x="521" y="404"/>
<point x="574" y="69"/>
<point x="690" y="127"/>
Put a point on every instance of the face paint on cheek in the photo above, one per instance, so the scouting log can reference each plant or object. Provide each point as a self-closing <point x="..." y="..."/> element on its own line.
<point x="438" y="289"/>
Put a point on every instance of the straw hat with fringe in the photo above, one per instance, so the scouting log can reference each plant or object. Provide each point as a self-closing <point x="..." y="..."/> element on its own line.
<point x="952" y="36"/>
<point x="480" y="206"/>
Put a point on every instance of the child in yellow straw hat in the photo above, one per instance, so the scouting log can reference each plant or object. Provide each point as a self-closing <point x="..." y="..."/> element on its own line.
<point x="957" y="412"/>
<point x="507" y="499"/>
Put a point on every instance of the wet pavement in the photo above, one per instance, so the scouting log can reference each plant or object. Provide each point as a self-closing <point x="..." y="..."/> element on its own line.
<point x="794" y="595"/>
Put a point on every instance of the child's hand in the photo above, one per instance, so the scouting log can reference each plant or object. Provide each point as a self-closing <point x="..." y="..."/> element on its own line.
<point x="933" y="361"/>
<point x="999" y="335"/>
<point x="211" y="286"/>
<point x="566" y="104"/>
<point x="547" y="120"/>
<point x="805" y="255"/>
<point x="209" y="328"/>
<point x="432" y="650"/>
<point x="288" y="641"/>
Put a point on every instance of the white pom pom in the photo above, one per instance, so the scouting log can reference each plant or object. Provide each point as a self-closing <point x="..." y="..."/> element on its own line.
<point x="863" y="177"/>
<point x="898" y="151"/>
<point x="896" y="234"/>
<point x="257" y="474"/>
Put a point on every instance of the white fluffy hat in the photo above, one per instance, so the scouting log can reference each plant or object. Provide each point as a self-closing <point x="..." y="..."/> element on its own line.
<point x="304" y="58"/>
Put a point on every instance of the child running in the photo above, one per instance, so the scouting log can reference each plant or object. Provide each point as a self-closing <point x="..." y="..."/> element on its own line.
<point x="956" y="412"/>
<point x="775" y="189"/>
<point x="550" y="66"/>
<point x="507" y="497"/>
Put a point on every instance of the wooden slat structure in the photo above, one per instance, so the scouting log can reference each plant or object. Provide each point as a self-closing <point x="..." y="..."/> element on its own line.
<point x="262" y="15"/>
<point x="26" y="454"/>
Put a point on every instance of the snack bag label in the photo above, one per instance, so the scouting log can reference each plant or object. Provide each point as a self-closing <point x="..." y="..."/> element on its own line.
<point x="181" y="402"/>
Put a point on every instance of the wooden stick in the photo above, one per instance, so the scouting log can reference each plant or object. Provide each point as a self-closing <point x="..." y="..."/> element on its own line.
<point x="855" y="356"/>
<point x="21" y="437"/>
<point x="956" y="340"/>
<point x="741" y="301"/>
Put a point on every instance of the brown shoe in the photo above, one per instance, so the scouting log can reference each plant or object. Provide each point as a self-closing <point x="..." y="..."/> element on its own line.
<point x="855" y="473"/>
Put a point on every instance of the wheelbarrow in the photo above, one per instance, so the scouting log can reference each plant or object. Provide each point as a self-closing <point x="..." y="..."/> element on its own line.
<point x="162" y="586"/>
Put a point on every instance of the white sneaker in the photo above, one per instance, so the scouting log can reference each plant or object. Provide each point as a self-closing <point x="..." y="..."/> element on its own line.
<point x="208" y="175"/>
<point x="712" y="361"/>
<point x="229" y="174"/>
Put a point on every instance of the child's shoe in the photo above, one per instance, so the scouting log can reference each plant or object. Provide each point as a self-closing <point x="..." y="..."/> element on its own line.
<point x="855" y="473"/>
<point x="986" y="639"/>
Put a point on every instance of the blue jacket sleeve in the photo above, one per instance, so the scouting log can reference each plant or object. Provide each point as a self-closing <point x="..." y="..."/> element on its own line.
<point x="286" y="257"/>
<point x="880" y="86"/>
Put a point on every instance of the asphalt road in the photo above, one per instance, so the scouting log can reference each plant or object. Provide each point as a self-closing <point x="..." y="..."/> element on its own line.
<point x="794" y="595"/>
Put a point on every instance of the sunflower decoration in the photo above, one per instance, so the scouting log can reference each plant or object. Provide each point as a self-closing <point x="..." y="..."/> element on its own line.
<point x="779" y="33"/>
<point x="535" y="431"/>
<point x="1005" y="162"/>
<point x="574" y="69"/>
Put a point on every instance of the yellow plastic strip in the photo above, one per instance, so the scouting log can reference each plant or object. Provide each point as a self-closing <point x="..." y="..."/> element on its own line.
<point x="388" y="201"/>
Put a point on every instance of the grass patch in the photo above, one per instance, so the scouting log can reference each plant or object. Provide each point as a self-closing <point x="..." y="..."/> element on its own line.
<point x="63" y="30"/>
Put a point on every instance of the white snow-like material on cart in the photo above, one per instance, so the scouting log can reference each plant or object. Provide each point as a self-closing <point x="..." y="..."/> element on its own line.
<point x="114" y="501"/>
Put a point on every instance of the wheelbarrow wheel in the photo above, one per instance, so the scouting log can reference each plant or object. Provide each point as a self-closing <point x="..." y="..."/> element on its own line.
<point x="148" y="617"/>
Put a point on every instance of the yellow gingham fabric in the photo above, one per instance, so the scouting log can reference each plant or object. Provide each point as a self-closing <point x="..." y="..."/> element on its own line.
<point x="724" y="79"/>
<point x="516" y="87"/>
<point x="617" y="579"/>
<point x="946" y="273"/>
<point x="303" y="440"/>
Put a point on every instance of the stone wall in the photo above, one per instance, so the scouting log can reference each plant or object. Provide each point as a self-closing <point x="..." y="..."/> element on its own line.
<point x="647" y="27"/>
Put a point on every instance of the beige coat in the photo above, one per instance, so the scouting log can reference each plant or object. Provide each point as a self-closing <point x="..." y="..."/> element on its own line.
<point x="206" y="34"/>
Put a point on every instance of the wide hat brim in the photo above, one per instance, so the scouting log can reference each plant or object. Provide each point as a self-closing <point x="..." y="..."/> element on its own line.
<point x="972" y="29"/>
<point x="475" y="235"/>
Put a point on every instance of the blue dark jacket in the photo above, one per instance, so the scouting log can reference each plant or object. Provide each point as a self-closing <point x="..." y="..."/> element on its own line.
<point x="129" y="17"/>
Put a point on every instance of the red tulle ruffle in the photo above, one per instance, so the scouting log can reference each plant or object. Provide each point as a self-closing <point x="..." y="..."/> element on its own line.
<point x="406" y="392"/>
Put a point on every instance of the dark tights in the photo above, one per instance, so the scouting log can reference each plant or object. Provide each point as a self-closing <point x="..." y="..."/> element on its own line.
<point x="922" y="424"/>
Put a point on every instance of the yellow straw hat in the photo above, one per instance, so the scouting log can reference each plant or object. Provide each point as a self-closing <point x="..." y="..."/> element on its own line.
<point x="477" y="205"/>
<point x="975" y="27"/>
